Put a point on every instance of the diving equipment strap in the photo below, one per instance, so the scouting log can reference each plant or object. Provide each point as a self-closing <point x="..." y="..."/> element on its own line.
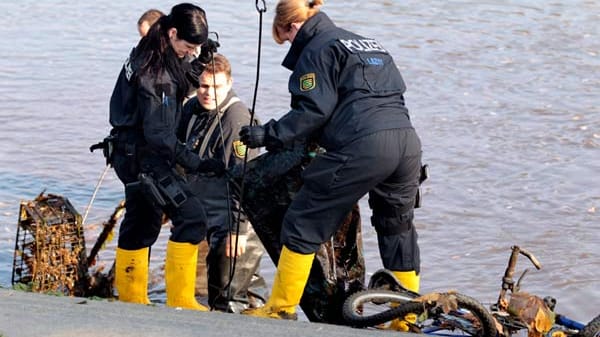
<point x="213" y="125"/>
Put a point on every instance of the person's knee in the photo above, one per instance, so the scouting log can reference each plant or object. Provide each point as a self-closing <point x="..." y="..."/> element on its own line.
<point x="393" y="224"/>
<point x="398" y="245"/>
<point x="305" y="235"/>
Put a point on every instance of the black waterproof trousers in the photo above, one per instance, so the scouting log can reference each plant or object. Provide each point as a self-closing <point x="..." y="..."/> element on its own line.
<point x="387" y="166"/>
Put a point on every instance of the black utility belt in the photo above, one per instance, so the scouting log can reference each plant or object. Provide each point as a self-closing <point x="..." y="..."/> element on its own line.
<point x="164" y="191"/>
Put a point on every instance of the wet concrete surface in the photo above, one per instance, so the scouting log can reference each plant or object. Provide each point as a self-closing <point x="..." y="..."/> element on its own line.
<point x="24" y="314"/>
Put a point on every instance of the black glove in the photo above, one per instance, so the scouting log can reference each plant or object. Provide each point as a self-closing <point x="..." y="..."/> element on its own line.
<point x="199" y="63"/>
<point x="253" y="136"/>
<point x="211" y="165"/>
<point x="207" y="51"/>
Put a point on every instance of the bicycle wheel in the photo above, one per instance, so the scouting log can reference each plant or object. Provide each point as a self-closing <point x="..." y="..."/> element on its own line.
<point x="592" y="329"/>
<point x="469" y="319"/>
<point x="372" y="306"/>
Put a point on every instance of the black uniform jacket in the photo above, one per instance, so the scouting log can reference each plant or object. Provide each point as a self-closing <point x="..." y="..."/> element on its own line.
<point x="343" y="86"/>
<point x="145" y="107"/>
<point x="203" y="134"/>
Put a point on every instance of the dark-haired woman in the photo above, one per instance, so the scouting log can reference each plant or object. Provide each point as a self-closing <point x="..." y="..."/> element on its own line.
<point x="347" y="95"/>
<point x="145" y="109"/>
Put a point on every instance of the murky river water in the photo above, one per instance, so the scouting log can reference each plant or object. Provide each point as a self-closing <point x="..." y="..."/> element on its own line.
<point x="504" y="94"/>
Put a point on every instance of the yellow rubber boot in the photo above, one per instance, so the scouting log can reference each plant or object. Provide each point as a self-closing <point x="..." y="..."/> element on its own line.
<point x="408" y="279"/>
<point x="131" y="275"/>
<point x="290" y="279"/>
<point x="180" y="275"/>
<point x="411" y="281"/>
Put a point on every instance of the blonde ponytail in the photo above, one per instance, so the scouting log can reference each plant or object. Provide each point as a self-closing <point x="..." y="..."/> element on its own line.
<point x="315" y="4"/>
<point x="290" y="11"/>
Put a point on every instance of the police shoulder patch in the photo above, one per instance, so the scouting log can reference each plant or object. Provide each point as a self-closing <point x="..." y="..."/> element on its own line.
<point x="308" y="82"/>
<point x="239" y="149"/>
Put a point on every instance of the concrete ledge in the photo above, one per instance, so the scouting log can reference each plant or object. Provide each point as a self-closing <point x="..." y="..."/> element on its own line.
<point x="24" y="314"/>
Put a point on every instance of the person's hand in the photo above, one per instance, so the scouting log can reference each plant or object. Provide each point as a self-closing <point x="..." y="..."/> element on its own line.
<point x="198" y="64"/>
<point x="211" y="165"/>
<point x="207" y="50"/>
<point x="253" y="136"/>
<point x="241" y="245"/>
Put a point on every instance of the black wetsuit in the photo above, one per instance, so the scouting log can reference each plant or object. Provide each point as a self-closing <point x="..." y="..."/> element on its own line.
<point x="145" y="112"/>
<point x="347" y="94"/>
<point x="210" y="137"/>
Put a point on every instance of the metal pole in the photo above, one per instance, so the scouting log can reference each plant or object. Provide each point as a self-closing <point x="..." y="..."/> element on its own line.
<point x="89" y="206"/>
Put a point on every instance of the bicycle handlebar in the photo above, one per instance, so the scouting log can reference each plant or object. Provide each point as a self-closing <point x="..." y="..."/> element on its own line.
<point x="530" y="256"/>
<point x="507" y="280"/>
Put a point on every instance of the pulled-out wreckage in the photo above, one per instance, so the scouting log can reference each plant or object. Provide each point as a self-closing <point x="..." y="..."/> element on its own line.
<point x="51" y="256"/>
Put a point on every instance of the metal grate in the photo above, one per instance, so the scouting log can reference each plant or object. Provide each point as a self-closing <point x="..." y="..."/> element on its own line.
<point x="50" y="254"/>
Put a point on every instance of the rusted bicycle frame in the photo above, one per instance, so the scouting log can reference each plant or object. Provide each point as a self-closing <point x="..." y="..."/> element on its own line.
<point x="507" y="281"/>
<point x="521" y="310"/>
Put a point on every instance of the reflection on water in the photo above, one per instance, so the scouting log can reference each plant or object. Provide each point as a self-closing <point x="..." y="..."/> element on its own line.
<point x="504" y="95"/>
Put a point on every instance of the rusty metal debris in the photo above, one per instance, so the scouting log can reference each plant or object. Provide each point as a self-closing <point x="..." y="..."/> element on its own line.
<point x="270" y="182"/>
<point x="532" y="311"/>
<point x="445" y="301"/>
<point x="50" y="253"/>
<point x="50" y="246"/>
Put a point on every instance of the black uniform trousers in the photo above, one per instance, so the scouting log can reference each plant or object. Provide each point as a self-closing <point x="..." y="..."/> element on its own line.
<point x="385" y="164"/>
<point x="143" y="219"/>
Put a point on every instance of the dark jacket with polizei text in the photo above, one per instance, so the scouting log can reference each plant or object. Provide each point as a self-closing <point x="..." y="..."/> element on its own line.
<point x="146" y="108"/>
<point x="343" y="86"/>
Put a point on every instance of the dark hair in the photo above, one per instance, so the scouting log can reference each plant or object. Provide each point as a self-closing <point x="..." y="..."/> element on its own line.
<point x="190" y="21"/>
<point x="154" y="52"/>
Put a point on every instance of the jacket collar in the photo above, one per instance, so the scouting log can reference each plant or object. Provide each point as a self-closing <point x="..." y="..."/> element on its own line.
<point x="314" y="25"/>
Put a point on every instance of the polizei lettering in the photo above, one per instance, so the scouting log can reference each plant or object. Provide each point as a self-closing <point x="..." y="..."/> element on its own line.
<point x="128" y="69"/>
<point x="363" y="45"/>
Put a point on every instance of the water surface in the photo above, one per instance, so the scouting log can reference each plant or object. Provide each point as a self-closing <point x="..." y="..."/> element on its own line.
<point x="504" y="95"/>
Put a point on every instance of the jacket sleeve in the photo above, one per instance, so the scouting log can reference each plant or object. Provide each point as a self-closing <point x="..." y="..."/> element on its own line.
<point x="313" y="86"/>
<point x="158" y="105"/>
